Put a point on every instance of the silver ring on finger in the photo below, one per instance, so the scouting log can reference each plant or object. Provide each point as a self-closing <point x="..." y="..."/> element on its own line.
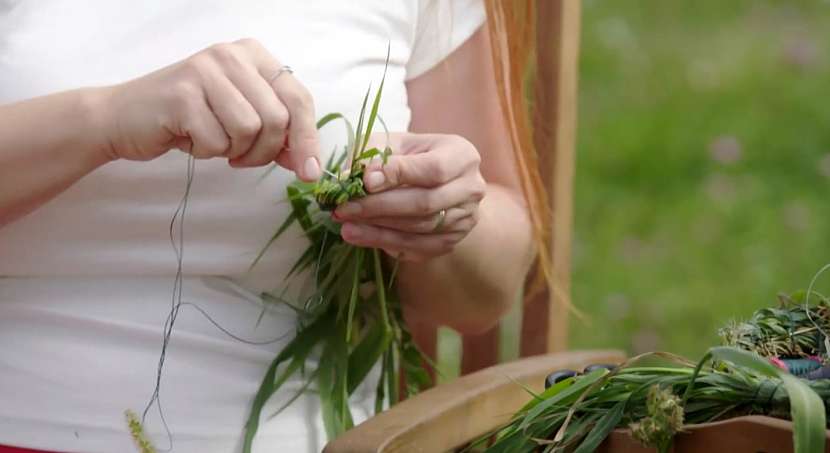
<point x="440" y="218"/>
<point x="280" y="72"/>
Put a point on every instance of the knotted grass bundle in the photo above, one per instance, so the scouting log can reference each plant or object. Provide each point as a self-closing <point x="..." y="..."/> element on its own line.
<point x="787" y="331"/>
<point x="353" y="320"/>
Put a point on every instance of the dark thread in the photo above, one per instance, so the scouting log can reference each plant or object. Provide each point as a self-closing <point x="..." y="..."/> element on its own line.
<point x="771" y="396"/>
<point x="177" y="242"/>
<point x="176" y="301"/>
<point x="228" y="333"/>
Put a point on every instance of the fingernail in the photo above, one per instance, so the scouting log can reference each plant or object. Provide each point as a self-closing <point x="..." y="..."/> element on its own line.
<point x="311" y="168"/>
<point x="375" y="180"/>
<point x="349" y="209"/>
<point x="351" y="231"/>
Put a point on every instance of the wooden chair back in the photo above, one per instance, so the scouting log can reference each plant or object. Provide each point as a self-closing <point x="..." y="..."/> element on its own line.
<point x="545" y="314"/>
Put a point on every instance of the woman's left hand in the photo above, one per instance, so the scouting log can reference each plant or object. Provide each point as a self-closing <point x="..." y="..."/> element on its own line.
<point x="422" y="202"/>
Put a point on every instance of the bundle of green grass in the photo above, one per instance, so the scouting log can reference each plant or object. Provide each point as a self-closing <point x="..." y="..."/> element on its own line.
<point x="772" y="364"/>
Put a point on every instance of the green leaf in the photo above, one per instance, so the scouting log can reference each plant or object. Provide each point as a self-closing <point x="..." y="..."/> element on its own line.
<point x="269" y="298"/>
<point x="806" y="406"/>
<point x="299" y="207"/>
<point x="393" y="376"/>
<point x="600" y="431"/>
<point x="328" y="118"/>
<point x="299" y="393"/>
<point x="359" y="132"/>
<point x="341" y="391"/>
<point x="325" y="382"/>
<point x="564" y="396"/>
<point x="380" y="393"/>
<point x="370" y="124"/>
<point x="547" y="394"/>
<point x="367" y="353"/>
<point x="412" y="362"/>
<point x="349" y="129"/>
<point x="369" y="153"/>
<point x="331" y="226"/>
<point x="305" y="340"/>
<point x="332" y="382"/>
<point x="807" y="412"/>
<point x="285" y="224"/>
<point x="358" y="262"/>
<point x="305" y="260"/>
<point x="381" y="289"/>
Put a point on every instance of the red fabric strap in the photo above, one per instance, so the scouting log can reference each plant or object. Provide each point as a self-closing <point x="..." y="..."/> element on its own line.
<point x="4" y="449"/>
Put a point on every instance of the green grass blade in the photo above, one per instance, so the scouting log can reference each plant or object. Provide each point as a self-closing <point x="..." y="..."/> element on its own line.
<point x="394" y="273"/>
<point x="325" y="382"/>
<point x="600" y="431"/>
<point x="808" y="415"/>
<point x="285" y="224"/>
<point x="269" y="298"/>
<point x="299" y="393"/>
<point x="328" y="119"/>
<point x="266" y="173"/>
<point x="367" y="353"/>
<point x="369" y="153"/>
<point x="565" y="396"/>
<point x="305" y="339"/>
<point x="299" y="207"/>
<point x="393" y="376"/>
<point x="806" y="407"/>
<point x="305" y="260"/>
<point x="413" y="364"/>
<point x="349" y="128"/>
<point x="342" y="383"/>
<point x="359" y="131"/>
<point x="374" y="113"/>
<point x="380" y="287"/>
<point x="547" y="394"/>
<point x="358" y="264"/>
<point x="380" y="393"/>
<point x="332" y="383"/>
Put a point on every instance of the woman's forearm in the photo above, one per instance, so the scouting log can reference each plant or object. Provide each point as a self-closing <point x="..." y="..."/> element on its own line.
<point x="46" y="145"/>
<point x="471" y="288"/>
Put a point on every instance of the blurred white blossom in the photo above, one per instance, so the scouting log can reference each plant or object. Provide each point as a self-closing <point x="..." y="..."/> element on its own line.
<point x="725" y="149"/>
<point x="797" y="216"/>
<point x="824" y="164"/>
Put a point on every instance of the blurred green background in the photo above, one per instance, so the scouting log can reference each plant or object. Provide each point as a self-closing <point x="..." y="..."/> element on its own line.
<point x="703" y="169"/>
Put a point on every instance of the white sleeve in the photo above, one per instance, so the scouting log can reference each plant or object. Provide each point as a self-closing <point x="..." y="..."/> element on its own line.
<point x="442" y="26"/>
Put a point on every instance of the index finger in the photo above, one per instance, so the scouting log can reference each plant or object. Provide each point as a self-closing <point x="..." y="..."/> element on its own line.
<point x="303" y="153"/>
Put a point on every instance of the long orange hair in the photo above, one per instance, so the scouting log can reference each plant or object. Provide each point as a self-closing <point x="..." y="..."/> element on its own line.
<point x="511" y="25"/>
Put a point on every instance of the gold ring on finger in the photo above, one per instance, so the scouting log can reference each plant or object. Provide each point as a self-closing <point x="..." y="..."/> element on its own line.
<point x="440" y="218"/>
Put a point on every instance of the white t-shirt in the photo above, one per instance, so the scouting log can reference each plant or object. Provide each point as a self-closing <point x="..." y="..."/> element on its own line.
<point x="86" y="280"/>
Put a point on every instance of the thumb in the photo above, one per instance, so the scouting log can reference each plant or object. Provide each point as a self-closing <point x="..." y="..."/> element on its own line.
<point x="428" y="169"/>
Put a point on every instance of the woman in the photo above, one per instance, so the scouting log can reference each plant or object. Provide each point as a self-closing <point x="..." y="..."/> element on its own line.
<point x="90" y="177"/>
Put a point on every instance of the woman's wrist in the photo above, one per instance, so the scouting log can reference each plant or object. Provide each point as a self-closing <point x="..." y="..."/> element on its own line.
<point x="96" y="124"/>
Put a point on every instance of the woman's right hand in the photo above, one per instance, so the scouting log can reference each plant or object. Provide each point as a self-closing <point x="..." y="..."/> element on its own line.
<point x="229" y="100"/>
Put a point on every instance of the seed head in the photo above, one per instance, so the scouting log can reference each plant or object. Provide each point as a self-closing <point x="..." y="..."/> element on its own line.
<point x="664" y="419"/>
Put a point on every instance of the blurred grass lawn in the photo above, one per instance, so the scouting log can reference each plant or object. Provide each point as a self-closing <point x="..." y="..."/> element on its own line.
<point x="703" y="180"/>
<point x="703" y="168"/>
